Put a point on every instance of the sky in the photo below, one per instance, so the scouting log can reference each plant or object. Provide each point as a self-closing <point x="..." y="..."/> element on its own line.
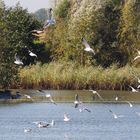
<point x="31" y="5"/>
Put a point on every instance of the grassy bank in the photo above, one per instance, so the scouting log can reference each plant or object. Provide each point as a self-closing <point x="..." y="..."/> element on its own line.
<point x="70" y="76"/>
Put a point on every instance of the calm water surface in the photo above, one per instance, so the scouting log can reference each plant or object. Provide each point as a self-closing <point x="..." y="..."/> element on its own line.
<point x="97" y="125"/>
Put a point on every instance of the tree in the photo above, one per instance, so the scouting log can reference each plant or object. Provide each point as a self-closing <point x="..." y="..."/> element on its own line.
<point x="8" y="72"/>
<point x="129" y="31"/>
<point x="16" y="25"/>
<point x="19" y="24"/>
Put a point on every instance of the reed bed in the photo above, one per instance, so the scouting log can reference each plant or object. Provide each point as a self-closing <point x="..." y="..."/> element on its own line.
<point x="69" y="75"/>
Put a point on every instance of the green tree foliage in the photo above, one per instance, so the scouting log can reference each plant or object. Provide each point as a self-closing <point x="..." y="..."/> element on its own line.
<point x="16" y="25"/>
<point x="56" y="36"/>
<point x="8" y="72"/>
<point x="111" y="27"/>
<point x="129" y="31"/>
<point x="19" y="24"/>
<point x="106" y="31"/>
<point x="96" y="21"/>
<point x="63" y="9"/>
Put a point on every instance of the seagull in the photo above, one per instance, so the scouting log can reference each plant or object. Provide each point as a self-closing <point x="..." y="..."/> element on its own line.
<point x="27" y="96"/>
<point x="84" y="109"/>
<point x="18" y="60"/>
<point x="77" y="101"/>
<point x="87" y="47"/>
<point x="26" y="130"/>
<point x="42" y="125"/>
<point x="115" y="116"/>
<point x="116" y="98"/>
<point x="50" y="21"/>
<point x="129" y="103"/>
<point x="50" y="98"/>
<point x="138" y="56"/>
<point x="66" y="117"/>
<point x="95" y="92"/>
<point x="138" y="80"/>
<point x="32" y="54"/>
<point x="138" y="86"/>
<point x="133" y="89"/>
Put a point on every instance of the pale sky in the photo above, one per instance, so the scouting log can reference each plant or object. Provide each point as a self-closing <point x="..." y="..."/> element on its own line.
<point x="31" y="5"/>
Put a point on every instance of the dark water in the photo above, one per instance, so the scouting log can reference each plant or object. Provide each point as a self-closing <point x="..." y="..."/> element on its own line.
<point x="99" y="124"/>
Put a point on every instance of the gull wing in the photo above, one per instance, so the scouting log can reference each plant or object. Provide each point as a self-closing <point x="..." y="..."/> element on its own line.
<point x="65" y="115"/>
<point x="133" y="89"/>
<point x="51" y="19"/>
<point x="87" y="109"/>
<point x="17" y="57"/>
<point x="136" y="57"/>
<point x="129" y="103"/>
<point x="52" y="101"/>
<point x="76" y="105"/>
<point x="84" y="42"/>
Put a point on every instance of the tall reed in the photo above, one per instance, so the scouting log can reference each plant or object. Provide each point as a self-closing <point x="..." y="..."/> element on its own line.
<point x="69" y="75"/>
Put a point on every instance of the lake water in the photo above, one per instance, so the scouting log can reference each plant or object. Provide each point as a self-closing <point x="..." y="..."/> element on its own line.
<point x="99" y="124"/>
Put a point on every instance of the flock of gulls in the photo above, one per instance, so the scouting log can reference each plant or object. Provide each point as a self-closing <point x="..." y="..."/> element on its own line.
<point x="77" y="104"/>
<point x="49" y="22"/>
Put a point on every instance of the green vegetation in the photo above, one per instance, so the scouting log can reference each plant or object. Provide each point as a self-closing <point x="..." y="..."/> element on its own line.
<point x="111" y="27"/>
<point x="16" y="25"/>
<point x="69" y="75"/>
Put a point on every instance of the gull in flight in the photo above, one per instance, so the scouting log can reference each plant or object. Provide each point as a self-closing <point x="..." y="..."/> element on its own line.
<point x="27" y="96"/>
<point x="50" y="21"/>
<point x="138" y="80"/>
<point x="84" y="109"/>
<point x="18" y="60"/>
<point x="32" y="54"/>
<point x="138" y="86"/>
<point x="130" y="105"/>
<point x="133" y="89"/>
<point x="116" y="98"/>
<point x="115" y="116"/>
<point x="138" y="56"/>
<point x="87" y="46"/>
<point x="77" y="101"/>
<point x="50" y="98"/>
<point x="66" y="117"/>
<point x="95" y="92"/>
<point x="26" y="130"/>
